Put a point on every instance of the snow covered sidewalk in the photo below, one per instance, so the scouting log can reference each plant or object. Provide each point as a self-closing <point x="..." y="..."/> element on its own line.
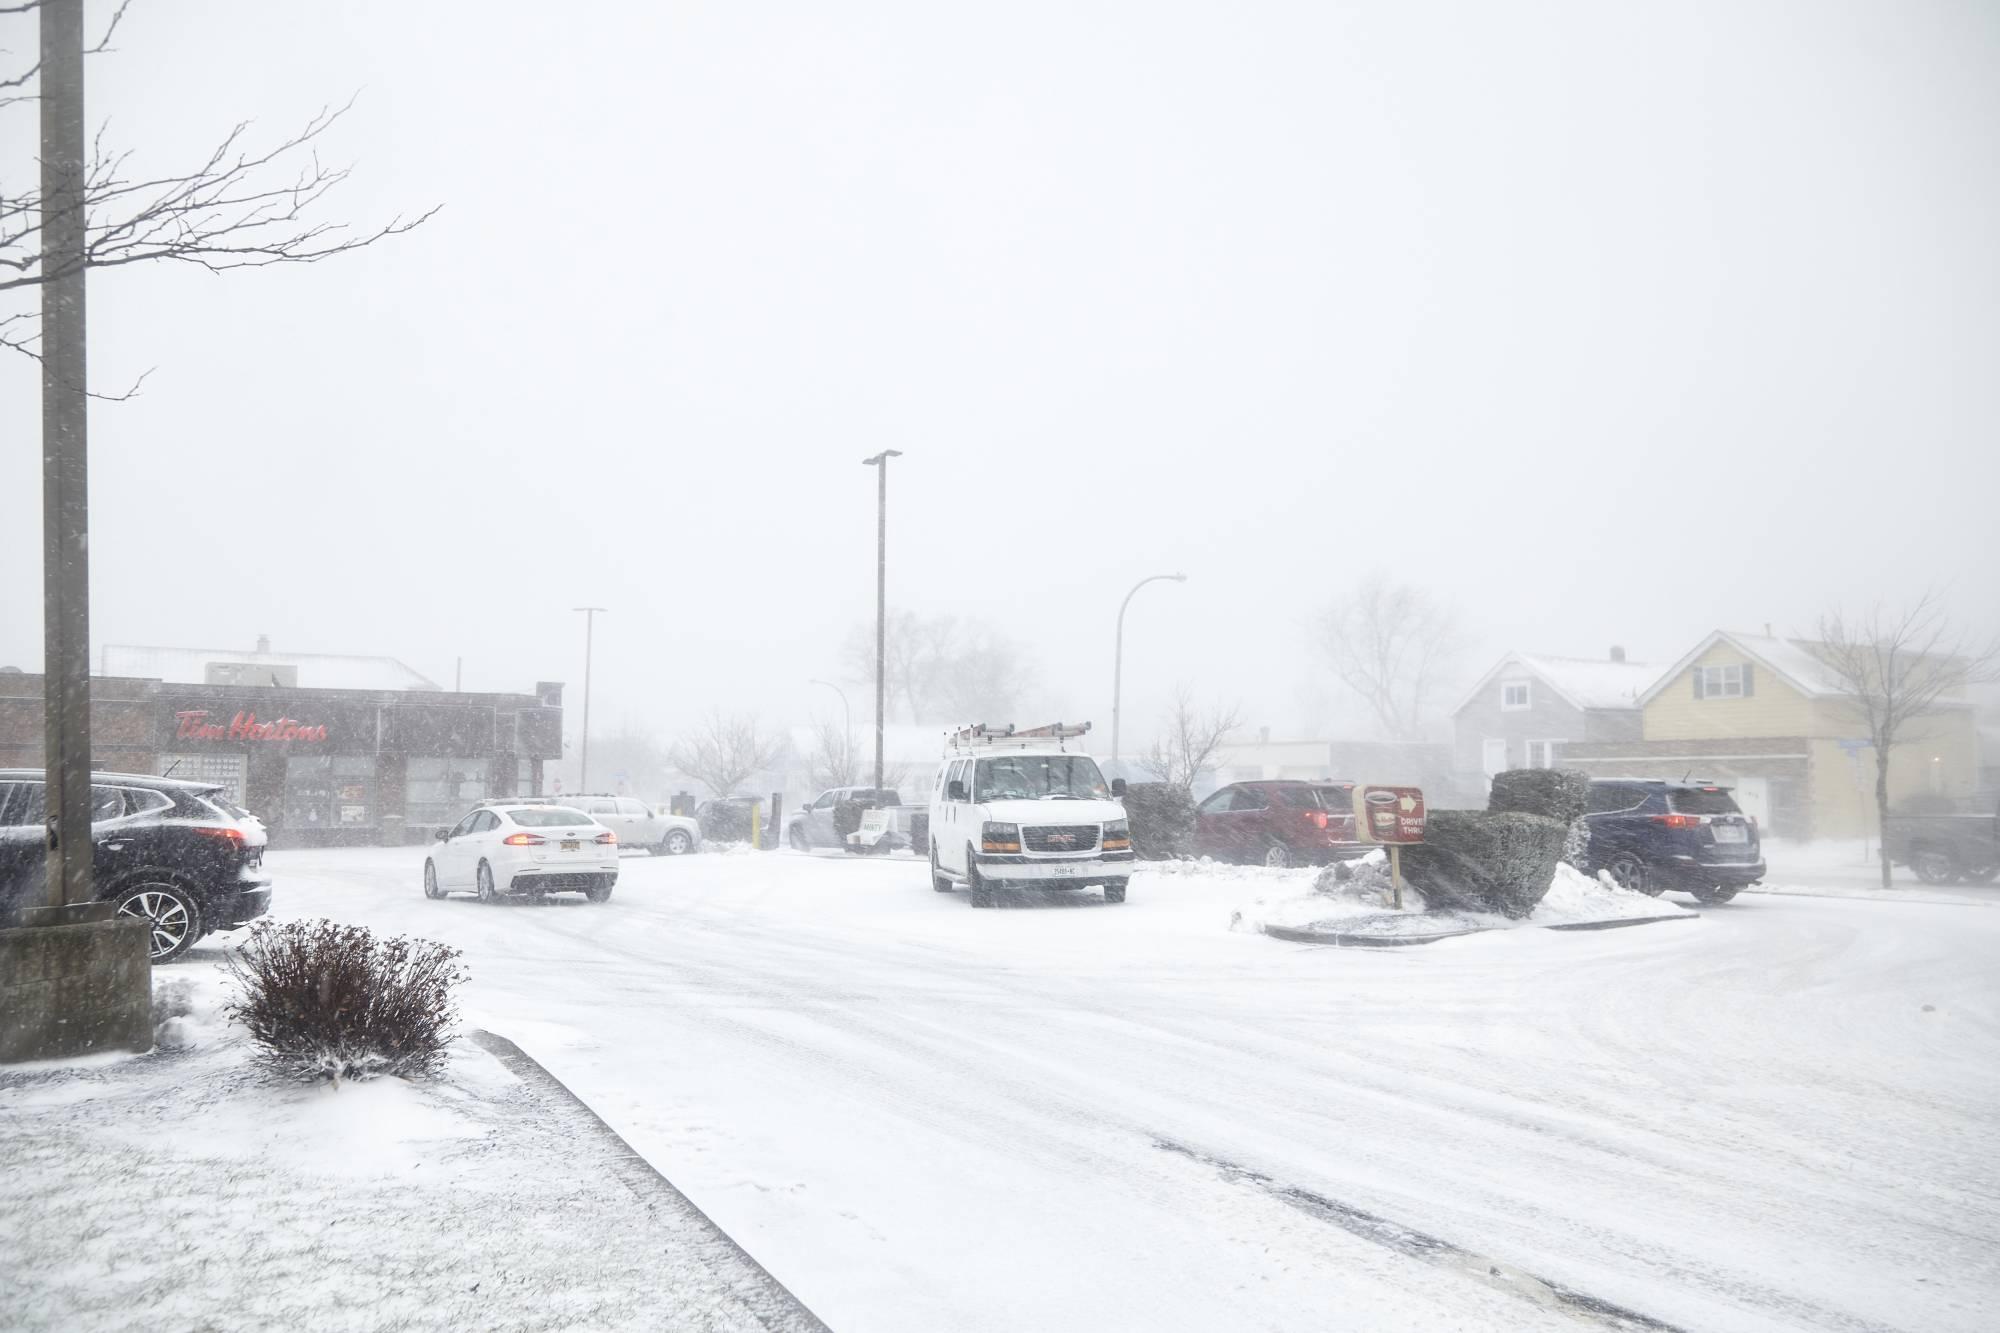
<point x="183" y="1190"/>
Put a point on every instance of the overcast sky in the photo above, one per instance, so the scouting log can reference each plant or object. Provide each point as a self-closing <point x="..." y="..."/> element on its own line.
<point x="1606" y="323"/>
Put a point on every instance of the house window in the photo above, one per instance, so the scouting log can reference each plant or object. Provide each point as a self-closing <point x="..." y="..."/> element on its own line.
<point x="1541" y="754"/>
<point x="1722" y="682"/>
<point x="1514" y="695"/>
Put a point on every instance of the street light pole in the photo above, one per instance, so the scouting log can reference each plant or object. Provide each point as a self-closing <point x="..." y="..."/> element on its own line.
<point x="590" y="614"/>
<point x="1118" y="656"/>
<point x="880" y="463"/>
<point x="65" y="454"/>
<point x="846" y="728"/>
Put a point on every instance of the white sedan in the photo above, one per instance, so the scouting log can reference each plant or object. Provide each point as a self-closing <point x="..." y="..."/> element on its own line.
<point x="526" y="848"/>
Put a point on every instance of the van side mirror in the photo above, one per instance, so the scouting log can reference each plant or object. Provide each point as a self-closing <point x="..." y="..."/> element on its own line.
<point x="1118" y="788"/>
<point x="955" y="792"/>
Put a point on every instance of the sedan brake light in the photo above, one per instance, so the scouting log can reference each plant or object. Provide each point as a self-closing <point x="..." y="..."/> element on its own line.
<point x="607" y="836"/>
<point x="524" y="840"/>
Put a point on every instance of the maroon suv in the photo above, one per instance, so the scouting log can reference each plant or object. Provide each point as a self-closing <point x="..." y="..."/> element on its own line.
<point x="1280" y="823"/>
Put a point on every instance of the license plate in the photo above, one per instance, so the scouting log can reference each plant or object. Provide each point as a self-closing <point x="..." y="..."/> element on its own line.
<point x="571" y="844"/>
<point x="1065" y="872"/>
<point x="1731" y="833"/>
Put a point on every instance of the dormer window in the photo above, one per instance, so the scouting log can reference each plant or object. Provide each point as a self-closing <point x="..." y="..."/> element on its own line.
<point x="1514" y="696"/>
<point x="1723" y="682"/>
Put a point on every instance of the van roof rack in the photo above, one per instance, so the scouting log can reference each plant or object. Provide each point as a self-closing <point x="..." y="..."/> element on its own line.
<point x="986" y="736"/>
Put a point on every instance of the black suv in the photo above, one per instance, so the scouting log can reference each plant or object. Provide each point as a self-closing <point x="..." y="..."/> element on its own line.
<point x="1654" y="835"/>
<point x="180" y="855"/>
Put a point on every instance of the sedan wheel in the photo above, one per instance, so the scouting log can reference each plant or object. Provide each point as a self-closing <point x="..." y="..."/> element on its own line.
<point x="677" y="843"/>
<point x="174" y="917"/>
<point x="431" y="889"/>
<point x="798" y="839"/>
<point x="487" y="893"/>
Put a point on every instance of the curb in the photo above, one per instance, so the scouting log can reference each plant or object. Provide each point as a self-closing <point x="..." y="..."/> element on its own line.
<point x="1342" y="940"/>
<point x="1629" y="921"/>
<point x="766" y="1298"/>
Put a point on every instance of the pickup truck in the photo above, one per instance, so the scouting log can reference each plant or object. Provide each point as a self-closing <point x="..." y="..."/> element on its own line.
<point x="1947" y="848"/>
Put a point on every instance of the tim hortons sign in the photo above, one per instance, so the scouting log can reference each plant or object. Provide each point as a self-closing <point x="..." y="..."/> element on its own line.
<point x="193" y="725"/>
<point x="1389" y="814"/>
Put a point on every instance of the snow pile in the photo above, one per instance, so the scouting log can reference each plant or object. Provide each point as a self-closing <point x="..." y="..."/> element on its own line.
<point x="189" y="1008"/>
<point x="1356" y="898"/>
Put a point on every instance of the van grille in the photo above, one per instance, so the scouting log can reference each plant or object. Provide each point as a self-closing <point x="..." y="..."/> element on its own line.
<point x="1061" y="838"/>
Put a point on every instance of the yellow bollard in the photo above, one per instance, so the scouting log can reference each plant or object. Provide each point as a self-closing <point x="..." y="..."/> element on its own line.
<point x="756" y="828"/>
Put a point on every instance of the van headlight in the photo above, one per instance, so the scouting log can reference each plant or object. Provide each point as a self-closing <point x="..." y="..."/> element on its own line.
<point x="1118" y="835"/>
<point x="1000" y="838"/>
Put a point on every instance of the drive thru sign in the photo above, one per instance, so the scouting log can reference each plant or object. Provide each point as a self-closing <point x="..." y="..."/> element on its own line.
<point x="1393" y="816"/>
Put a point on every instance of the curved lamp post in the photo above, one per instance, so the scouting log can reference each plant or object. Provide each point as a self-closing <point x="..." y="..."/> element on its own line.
<point x="1118" y="658"/>
<point x="846" y="726"/>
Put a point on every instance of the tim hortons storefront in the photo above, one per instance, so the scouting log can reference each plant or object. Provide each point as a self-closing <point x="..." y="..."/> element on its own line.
<point x="320" y="767"/>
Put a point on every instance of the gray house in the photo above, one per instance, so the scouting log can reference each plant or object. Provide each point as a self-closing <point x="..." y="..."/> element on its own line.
<point x="1524" y="709"/>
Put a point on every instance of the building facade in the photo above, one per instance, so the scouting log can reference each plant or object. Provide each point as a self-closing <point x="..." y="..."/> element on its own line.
<point x="1528" y="710"/>
<point x="320" y="767"/>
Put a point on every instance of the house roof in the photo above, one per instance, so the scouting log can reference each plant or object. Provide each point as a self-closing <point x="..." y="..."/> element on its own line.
<point x="1581" y="682"/>
<point x="320" y="671"/>
<point x="1792" y="659"/>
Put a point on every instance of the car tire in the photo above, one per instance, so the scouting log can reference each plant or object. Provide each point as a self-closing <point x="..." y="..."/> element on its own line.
<point x="1114" y="893"/>
<point x="1933" y="866"/>
<point x="600" y="889"/>
<point x="1715" y="893"/>
<point x="171" y="911"/>
<point x="1277" y="856"/>
<point x="676" y="843"/>
<point x="940" y="882"/>
<point x="431" y="888"/>
<point x="975" y="883"/>
<point x="1629" y="871"/>
<point x="799" y="841"/>
<point x="487" y="892"/>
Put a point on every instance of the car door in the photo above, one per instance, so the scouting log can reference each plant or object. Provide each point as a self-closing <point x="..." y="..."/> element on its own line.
<point x="1614" y="820"/>
<point x="454" y="866"/>
<point x="951" y="846"/>
<point x="638" y="826"/>
<point x="23" y="831"/>
<point x="819" y="819"/>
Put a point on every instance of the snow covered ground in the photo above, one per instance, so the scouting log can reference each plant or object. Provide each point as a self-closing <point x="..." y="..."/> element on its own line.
<point x="1066" y="1115"/>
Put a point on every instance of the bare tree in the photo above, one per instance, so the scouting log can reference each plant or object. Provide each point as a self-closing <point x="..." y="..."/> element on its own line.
<point x="942" y="669"/>
<point x="1392" y="644"/>
<point x="241" y="206"/>
<point x="723" y="753"/>
<point x="1191" y="740"/>
<point x="832" y="762"/>
<point x="1895" y="668"/>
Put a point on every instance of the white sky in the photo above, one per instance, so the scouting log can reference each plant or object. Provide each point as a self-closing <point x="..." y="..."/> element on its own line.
<point x="1698" y="301"/>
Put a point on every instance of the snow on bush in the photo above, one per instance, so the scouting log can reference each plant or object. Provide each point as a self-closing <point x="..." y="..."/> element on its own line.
<point x="333" y="1002"/>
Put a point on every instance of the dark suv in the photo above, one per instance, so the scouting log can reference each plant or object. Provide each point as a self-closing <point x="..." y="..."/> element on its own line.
<point x="1653" y="835"/>
<point x="180" y="855"/>
<point x="1278" y="823"/>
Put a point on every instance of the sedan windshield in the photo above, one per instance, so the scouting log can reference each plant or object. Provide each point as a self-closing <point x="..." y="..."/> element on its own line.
<point x="1040" y="777"/>
<point x="554" y="817"/>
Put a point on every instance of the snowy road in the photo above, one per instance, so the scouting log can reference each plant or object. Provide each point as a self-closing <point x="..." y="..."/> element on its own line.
<point x="1783" y="1116"/>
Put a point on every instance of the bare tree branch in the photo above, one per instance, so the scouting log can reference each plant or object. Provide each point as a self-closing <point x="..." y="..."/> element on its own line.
<point x="1191" y="741"/>
<point x="725" y="752"/>
<point x="1391" y="644"/>
<point x="832" y="762"/>
<point x="33" y="71"/>
<point x="1894" y="668"/>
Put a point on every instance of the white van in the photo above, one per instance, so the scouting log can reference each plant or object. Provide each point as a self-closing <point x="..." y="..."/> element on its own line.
<point x="1022" y="808"/>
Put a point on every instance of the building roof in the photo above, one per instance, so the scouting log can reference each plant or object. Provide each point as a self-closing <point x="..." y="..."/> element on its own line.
<point x="317" y="671"/>
<point x="1792" y="659"/>
<point x="1582" y="682"/>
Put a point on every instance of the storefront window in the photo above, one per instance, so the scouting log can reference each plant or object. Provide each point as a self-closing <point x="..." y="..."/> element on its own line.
<point x="330" y="791"/>
<point x="437" y="791"/>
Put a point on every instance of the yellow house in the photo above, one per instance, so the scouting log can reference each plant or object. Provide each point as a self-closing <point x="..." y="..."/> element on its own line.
<point x="1765" y="716"/>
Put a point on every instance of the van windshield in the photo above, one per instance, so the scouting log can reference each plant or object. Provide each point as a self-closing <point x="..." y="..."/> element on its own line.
<point x="1039" y="777"/>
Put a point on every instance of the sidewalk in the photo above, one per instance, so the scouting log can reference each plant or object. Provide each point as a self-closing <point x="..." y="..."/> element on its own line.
<point x="182" y="1190"/>
<point x="1849" y="870"/>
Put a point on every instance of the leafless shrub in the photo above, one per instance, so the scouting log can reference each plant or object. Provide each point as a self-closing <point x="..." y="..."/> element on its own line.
<point x="723" y="753"/>
<point x="332" y="1002"/>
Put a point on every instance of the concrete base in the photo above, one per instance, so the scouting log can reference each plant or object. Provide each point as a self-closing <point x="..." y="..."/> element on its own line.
<point x="70" y="990"/>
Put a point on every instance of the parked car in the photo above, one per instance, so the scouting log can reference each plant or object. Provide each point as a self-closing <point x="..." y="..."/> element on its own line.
<point x="1946" y="847"/>
<point x="1653" y="835"/>
<point x="1283" y="822"/>
<point x="523" y="847"/>
<point x="178" y="855"/>
<point x="1023" y="809"/>
<point x="636" y="823"/>
<point x="817" y="825"/>
<point x="727" y="818"/>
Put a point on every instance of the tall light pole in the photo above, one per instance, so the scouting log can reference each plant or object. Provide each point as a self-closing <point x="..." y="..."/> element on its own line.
<point x="1118" y="656"/>
<point x="880" y="463"/>
<point x="590" y="614"/>
<point x="846" y="727"/>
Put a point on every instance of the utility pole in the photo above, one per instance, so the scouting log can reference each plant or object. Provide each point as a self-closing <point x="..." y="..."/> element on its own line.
<point x="65" y="476"/>
<point x="590" y="614"/>
<point x="1118" y="656"/>
<point x="880" y="463"/>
